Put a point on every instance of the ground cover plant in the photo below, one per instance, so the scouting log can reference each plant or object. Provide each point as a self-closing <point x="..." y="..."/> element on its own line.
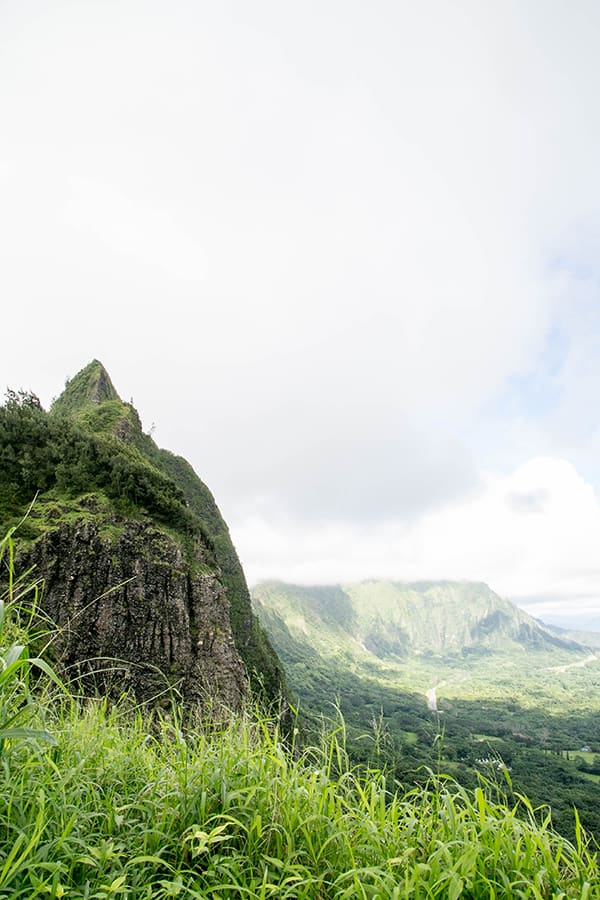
<point x="100" y="803"/>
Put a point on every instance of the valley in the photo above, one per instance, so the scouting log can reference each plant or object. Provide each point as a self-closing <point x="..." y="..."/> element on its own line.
<point x="447" y="676"/>
<point x="148" y="748"/>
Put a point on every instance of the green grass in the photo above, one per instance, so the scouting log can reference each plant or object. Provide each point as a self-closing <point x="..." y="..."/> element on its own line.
<point x="98" y="803"/>
<point x="115" y="809"/>
<point x="585" y="755"/>
<point x="590" y="777"/>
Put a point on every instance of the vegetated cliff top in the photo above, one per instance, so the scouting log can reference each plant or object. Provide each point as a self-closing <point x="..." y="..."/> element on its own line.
<point x="91" y="442"/>
<point x="91" y="399"/>
<point x="92" y="385"/>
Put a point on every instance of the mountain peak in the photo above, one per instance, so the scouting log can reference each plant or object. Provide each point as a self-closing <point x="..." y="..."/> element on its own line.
<point x="91" y="386"/>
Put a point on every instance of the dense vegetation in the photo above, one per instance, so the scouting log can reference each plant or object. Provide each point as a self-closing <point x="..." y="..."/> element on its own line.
<point x="58" y="458"/>
<point x="100" y="804"/>
<point x="465" y="739"/>
<point x="534" y="711"/>
<point x="92" y="442"/>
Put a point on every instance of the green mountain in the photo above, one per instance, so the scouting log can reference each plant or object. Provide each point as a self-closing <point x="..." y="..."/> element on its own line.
<point x="88" y="389"/>
<point x="112" y="508"/>
<point x="388" y="621"/>
<point x="442" y="641"/>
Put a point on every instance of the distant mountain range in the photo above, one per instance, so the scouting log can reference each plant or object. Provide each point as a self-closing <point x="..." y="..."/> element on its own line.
<point x="459" y="640"/>
<point x="583" y="623"/>
<point x="385" y="621"/>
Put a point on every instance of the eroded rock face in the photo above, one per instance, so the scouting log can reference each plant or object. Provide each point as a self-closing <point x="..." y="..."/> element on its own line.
<point x="137" y="611"/>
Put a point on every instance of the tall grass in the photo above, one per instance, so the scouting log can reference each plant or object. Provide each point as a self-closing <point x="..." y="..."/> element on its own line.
<point x="121" y="807"/>
<point x="18" y="603"/>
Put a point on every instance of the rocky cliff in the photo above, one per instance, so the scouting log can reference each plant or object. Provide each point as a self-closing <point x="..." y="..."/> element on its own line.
<point x="140" y="574"/>
<point x="133" y="614"/>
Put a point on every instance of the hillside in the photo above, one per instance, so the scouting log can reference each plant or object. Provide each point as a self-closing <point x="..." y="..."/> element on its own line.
<point x="417" y="635"/>
<point x="392" y="620"/>
<point x="459" y="639"/>
<point x="131" y="543"/>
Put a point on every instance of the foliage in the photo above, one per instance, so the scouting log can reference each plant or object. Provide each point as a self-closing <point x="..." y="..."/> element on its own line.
<point x="114" y="809"/>
<point x="41" y="453"/>
<point x="92" y="442"/>
<point x="121" y="807"/>
<point x="92" y="382"/>
<point x="18" y="603"/>
<point x="518" y="705"/>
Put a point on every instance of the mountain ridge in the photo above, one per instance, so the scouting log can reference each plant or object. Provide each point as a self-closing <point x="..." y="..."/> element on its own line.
<point x="399" y="619"/>
<point x="89" y="463"/>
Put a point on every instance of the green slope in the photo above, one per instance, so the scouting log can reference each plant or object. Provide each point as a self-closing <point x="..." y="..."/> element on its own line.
<point x="92" y="442"/>
<point x="459" y="637"/>
<point x="391" y="622"/>
<point x="91" y="386"/>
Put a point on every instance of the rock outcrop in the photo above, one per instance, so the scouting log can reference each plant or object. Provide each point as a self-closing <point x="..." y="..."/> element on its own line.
<point x="140" y="574"/>
<point x="134" y="614"/>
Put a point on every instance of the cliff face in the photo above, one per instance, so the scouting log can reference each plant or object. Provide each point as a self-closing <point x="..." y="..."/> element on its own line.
<point x="137" y="561"/>
<point x="134" y="614"/>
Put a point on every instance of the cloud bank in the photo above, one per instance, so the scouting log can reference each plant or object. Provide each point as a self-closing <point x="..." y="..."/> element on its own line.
<point x="344" y="257"/>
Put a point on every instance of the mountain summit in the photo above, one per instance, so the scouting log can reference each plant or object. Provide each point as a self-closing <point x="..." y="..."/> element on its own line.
<point x="92" y="385"/>
<point x="137" y="561"/>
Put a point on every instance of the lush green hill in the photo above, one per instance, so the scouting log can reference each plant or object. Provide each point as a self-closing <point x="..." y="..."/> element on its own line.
<point x="392" y="620"/>
<point x="458" y="638"/>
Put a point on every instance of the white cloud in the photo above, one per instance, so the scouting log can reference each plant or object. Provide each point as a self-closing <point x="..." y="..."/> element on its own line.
<point x="544" y="546"/>
<point x="344" y="256"/>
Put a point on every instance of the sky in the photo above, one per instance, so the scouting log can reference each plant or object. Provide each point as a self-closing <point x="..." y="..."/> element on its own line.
<point x="343" y="256"/>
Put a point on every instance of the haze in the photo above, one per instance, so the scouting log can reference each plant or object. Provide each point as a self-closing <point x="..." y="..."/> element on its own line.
<point x="343" y="256"/>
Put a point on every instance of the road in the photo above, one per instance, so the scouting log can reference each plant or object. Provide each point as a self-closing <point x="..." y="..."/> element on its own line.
<point x="575" y="665"/>
<point x="432" y="699"/>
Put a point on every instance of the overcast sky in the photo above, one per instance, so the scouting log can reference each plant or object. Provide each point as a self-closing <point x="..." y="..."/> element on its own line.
<point x="344" y="256"/>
